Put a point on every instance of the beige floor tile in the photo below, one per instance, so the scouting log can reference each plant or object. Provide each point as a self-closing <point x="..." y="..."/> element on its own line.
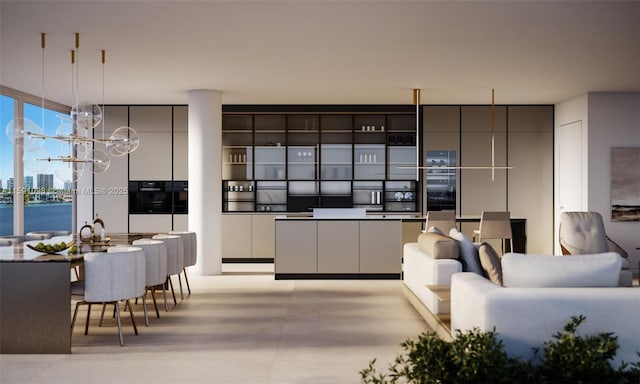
<point x="240" y="327"/>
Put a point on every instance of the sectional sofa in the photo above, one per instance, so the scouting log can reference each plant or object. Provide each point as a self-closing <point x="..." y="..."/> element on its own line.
<point x="527" y="298"/>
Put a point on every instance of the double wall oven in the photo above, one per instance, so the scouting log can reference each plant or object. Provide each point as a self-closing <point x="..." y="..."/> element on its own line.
<point x="158" y="197"/>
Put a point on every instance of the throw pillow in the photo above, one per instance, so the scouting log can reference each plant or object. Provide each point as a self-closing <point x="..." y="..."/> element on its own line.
<point x="490" y="262"/>
<point x="596" y="270"/>
<point x="468" y="252"/>
<point x="438" y="246"/>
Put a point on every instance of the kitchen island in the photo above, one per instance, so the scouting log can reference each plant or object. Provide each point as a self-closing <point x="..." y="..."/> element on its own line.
<point x="338" y="243"/>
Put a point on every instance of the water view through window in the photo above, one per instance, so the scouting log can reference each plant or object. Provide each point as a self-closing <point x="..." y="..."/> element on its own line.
<point x="47" y="185"/>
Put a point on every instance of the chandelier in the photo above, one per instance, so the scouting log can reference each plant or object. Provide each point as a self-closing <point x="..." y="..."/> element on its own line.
<point x="76" y="132"/>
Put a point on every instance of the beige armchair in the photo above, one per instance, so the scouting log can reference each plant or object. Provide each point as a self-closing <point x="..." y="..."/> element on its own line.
<point x="584" y="233"/>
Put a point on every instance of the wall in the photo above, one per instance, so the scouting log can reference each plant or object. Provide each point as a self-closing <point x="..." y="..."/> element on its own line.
<point x="608" y="120"/>
<point x="523" y="139"/>
<point x="161" y="155"/>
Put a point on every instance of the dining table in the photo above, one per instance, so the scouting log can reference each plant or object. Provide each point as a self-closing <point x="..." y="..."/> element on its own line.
<point x="35" y="292"/>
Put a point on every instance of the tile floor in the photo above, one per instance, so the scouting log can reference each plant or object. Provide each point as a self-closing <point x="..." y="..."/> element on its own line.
<point x="240" y="327"/>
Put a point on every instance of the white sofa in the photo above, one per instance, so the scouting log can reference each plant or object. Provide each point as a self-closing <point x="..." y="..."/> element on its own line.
<point x="526" y="317"/>
<point x="430" y="261"/>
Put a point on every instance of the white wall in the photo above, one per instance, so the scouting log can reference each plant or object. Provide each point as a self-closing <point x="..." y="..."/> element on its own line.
<point x="614" y="121"/>
<point x="610" y="120"/>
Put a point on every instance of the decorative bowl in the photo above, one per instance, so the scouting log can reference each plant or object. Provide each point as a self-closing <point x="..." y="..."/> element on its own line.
<point x="48" y="248"/>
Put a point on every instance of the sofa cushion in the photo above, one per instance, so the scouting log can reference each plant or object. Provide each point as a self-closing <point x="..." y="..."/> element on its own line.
<point x="490" y="262"/>
<point x="596" y="270"/>
<point x="468" y="252"/>
<point x="438" y="246"/>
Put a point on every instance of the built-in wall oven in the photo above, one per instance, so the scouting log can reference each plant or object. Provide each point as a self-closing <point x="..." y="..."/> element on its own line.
<point x="158" y="196"/>
<point x="180" y="196"/>
<point x="150" y="197"/>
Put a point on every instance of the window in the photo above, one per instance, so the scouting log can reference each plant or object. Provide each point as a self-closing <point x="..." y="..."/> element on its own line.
<point x="46" y="184"/>
<point x="7" y="113"/>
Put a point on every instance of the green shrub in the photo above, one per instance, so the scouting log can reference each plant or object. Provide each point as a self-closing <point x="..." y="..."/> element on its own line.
<point x="479" y="357"/>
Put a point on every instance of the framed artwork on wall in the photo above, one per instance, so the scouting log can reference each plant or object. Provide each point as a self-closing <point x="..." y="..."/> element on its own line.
<point x="625" y="184"/>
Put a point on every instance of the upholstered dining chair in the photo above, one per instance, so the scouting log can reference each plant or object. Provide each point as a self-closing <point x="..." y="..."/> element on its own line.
<point x="5" y="243"/>
<point x="443" y="220"/>
<point x="495" y="225"/>
<point x="50" y="234"/>
<point x="155" y="252"/>
<point x="175" y="259"/>
<point x="110" y="277"/>
<point x="190" y="252"/>
<point x="19" y="239"/>
<point x="583" y="232"/>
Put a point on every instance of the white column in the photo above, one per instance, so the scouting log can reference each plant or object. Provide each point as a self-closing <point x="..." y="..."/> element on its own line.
<point x="205" y="176"/>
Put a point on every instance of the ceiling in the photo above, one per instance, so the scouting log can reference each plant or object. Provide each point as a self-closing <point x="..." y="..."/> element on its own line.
<point x="322" y="52"/>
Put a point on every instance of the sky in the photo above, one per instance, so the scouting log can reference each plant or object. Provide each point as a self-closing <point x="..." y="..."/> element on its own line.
<point x="49" y="148"/>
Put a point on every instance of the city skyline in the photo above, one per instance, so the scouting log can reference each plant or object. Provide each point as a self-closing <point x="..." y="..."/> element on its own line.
<point x="50" y="148"/>
<point x="28" y="182"/>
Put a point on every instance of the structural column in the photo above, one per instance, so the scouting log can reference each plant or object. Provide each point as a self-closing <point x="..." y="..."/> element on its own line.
<point x="205" y="175"/>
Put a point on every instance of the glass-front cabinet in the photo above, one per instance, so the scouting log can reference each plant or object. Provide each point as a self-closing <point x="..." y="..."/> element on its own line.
<point x="294" y="161"/>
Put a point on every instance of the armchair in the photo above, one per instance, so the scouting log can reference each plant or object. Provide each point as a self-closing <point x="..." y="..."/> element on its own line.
<point x="584" y="233"/>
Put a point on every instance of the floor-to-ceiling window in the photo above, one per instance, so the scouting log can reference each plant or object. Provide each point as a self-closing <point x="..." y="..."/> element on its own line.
<point x="45" y="185"/>
<point x="48" y="184"/>
<point x="7" y="113"/>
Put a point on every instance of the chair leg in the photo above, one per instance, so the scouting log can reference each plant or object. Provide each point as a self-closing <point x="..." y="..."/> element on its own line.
<point x="75" y="315"/>
<point x="119" y="324"/>
<point x="175" y="302"/>
<point x="164" y="297"/>
<point x="86" y="325"/>
<point x="155" y="304"/>
<point x="104" y="306"/>
<point x="144" y="307"/>
<point x="186" y="279"/>
<point x="180" y="284"/>
<point x="133" y="320"/>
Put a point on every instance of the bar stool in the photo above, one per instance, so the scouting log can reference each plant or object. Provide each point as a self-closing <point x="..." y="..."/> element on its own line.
<point x="443" y="220"/>
<point x="109" y="278"/>
<point x="155" y="252"/>
<point x="175" y="259"/>
<point x="495" y="225"/>
<point x="190" y="252"/>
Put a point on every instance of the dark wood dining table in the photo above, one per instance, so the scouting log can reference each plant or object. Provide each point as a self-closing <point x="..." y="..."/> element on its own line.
<point x="35" y="306"/>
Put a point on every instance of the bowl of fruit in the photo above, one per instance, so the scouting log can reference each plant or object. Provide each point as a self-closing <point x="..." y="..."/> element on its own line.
<point x="53" y="248"/>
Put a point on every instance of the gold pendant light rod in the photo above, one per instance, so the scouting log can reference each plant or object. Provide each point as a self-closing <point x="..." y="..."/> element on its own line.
<point x="493" y="135"/>
<point x="416" y="102"/>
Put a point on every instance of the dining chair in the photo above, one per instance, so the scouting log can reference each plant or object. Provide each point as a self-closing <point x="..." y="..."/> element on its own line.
<point x="175" y="259"/>
<point x="110" y="277"/>
<point x="495" y="225"/>
<point x="19" y="239"/>
<point x="50" y="234"/>
<point x="190" y="252"/>
<point x="155" y="252"/>
<point x="443" y="220"/>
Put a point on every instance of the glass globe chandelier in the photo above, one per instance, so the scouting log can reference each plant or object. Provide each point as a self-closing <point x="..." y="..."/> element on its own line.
<point x="76" y="132"/>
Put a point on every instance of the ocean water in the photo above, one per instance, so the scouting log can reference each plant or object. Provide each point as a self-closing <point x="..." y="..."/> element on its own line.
<point x="37" y="217"/>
